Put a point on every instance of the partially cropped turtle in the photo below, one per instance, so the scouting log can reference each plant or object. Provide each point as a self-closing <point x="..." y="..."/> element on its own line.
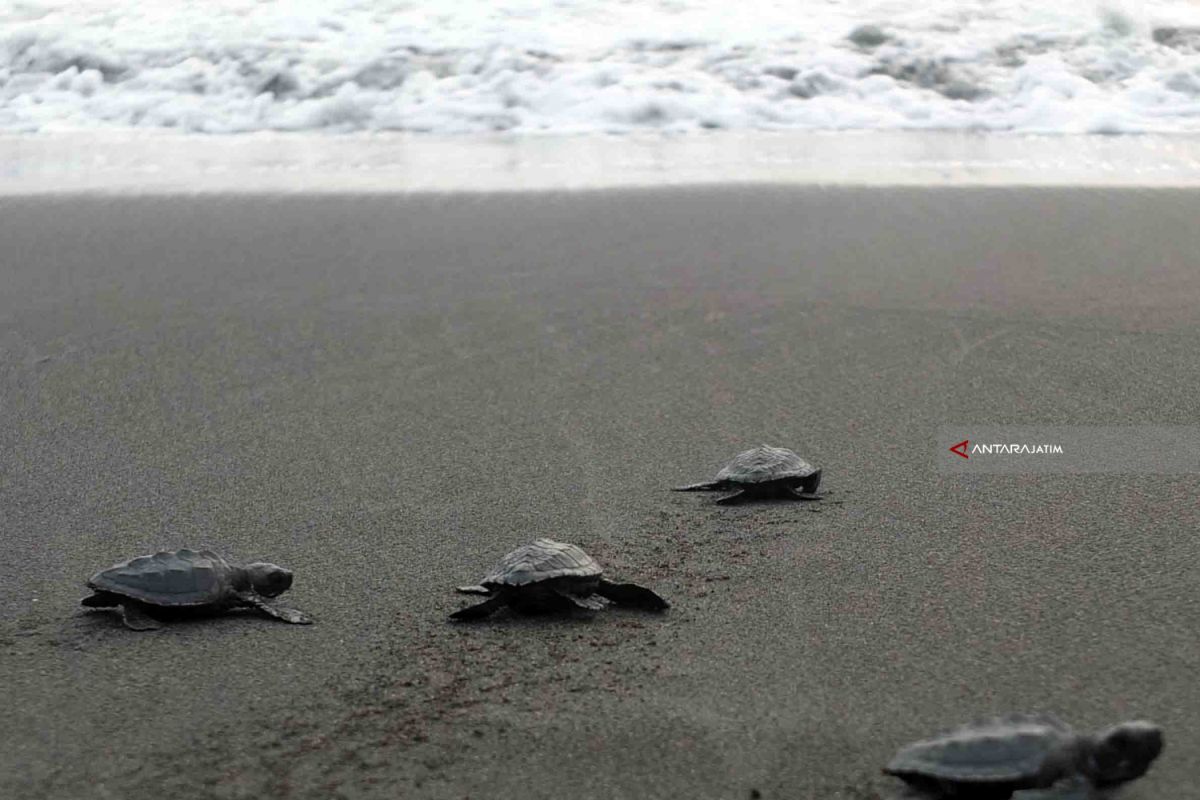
<point x="552" y="576"/>
<point x="990" y="759"/>
<point x="764" y="472"/>
<point x="178" y="582"/>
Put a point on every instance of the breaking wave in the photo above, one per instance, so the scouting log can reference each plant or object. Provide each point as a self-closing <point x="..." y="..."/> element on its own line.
<point x="528" y="66"/>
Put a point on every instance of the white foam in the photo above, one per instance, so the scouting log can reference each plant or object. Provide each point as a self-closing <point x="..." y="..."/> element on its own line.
<point x="155" y="162"/>
<point x="526" y="66"/>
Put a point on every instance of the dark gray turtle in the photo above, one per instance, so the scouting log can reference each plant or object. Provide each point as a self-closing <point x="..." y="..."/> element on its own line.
<point x="991" y="759"/>
<point x="182" y="581"/>
<point x="763" y="472"/>
<point x="552" y="576"/>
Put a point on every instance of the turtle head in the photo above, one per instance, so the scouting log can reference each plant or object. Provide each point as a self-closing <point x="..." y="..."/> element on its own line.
<point x="268" y="580"/>
<point x="1125" y="752"/>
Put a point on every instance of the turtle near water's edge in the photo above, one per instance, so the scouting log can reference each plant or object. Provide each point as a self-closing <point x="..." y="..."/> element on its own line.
<point x="763" y="472"/>
<point x="176" y="582"/>
<point x="550" y="576"/>
<point x="993" y="758"/>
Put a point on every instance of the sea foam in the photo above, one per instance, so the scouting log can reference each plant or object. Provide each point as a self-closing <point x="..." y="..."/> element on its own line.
<point x="528" y="66"/>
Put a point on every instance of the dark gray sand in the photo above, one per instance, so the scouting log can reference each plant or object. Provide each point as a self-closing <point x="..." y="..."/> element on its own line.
<point x="386" y="393"/>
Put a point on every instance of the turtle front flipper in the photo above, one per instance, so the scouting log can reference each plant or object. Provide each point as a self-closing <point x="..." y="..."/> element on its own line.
<point x="481" y="610"/>
<point x="734" y="499"/>
<point x="278" y="612"/>
<point x="797" y="493"/>
<point x="136" y="619"/>
<point x="473" y="590"/>
<point x="632" y="595"/>
<point x="707" y="486"/>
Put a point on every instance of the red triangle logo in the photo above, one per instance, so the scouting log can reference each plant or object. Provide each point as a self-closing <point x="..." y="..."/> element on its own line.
<point x="960" y="449"/>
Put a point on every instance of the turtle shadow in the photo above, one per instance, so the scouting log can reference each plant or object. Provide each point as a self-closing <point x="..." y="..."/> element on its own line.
<point x="775" y="502"/>
<point x="824" y="500"/>
<point x="509" y="618"/>
<point x="96" y="620"/>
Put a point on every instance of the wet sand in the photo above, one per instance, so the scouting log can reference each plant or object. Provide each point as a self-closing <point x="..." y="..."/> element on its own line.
<point x="387" y="392"/>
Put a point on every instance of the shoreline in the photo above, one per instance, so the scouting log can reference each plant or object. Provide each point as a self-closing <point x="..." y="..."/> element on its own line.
<point x="161" y="163"/>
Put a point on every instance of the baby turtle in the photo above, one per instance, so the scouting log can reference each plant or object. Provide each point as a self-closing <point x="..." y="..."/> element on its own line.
<point x="182" y="581"/>
<point x="995" y="757"/>
<point x="763" y="472"/>
<point x="552" y="576"/>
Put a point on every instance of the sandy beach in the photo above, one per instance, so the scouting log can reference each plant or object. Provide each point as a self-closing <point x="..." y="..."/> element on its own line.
<point x="387" y="392"/>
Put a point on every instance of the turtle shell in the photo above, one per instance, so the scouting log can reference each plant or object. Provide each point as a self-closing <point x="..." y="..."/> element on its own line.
<point x="168" y="578"/>
<point x="998" y="750"/>
<point x="765" y="463"/>
<point x="542" y="560"/>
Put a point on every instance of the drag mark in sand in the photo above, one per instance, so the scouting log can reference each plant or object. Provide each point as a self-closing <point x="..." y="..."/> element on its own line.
<point x="457" y="696"/>
<point x="965" y="348"/>
<point x="438" y="702"/>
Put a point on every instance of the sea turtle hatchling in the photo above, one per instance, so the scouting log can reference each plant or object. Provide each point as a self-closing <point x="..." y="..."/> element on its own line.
<point x="552" y="576"/>
<point x="990" y="759"/>
<point x="182" y="581"/>
<point x="761" y="473"/>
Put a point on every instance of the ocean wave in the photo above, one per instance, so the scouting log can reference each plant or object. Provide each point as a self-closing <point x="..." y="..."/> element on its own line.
<point x="528" y="66"/>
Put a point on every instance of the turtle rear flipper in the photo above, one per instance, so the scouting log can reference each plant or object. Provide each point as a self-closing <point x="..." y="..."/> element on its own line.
<point x="278" y="612"/>
<point x="136" y="619"/>
<point x="734" y="499"/>
<point x="707" y="486"/>
<point x="473" y="590"/>
<point x="798" y="493"/>
<point x="481" y="610"/>
<point x="632" y="595"/>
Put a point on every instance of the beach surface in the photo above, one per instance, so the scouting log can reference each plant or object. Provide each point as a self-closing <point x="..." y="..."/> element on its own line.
<point x="387" y="392"/>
